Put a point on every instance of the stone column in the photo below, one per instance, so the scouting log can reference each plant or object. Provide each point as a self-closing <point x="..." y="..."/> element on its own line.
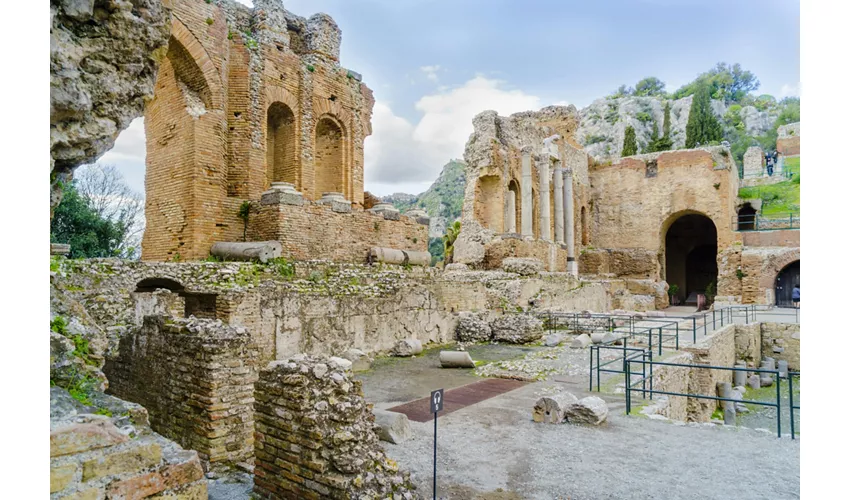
<point x="569" y="222"/>
<point x="558" y="179"/>
<point x="527" y="202"/>
<point x="543" y="185"/>
<point x="511" y="219"/>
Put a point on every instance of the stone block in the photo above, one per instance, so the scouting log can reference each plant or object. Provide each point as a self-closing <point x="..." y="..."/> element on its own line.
<point x="407" y="347"/>
<point x="471" y="328"/>
<point x="552" y="409"/>
<point x="517" y="328"/>
<point x="133" y="459"/>
<point x="76" y="438"/>
<point x="275" y="197"/>
<point x="591" y="410"/>
<point x="522" y="266"/>
<point x="61" y="476"/>
<point x="193" y="491"/>
<point x="137" y="487"/>
<point x="392" y="427"/>
<point x="553" y="340"/>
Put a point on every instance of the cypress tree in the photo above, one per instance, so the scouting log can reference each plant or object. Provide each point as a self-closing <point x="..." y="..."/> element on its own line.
<point x="629" y="142"/>
<point x="663" y="143"/>
<point x="703" y="127"/>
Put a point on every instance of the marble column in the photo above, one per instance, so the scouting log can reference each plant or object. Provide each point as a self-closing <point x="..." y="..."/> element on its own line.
<point x="511" y="219"/>
<point x="527" y="211"/>
<point x="543" y="186"/>
<point x="558" y="179"/>
<point x="569" y="222"/>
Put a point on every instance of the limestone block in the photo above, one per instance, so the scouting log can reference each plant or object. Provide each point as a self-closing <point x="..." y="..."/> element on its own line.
<point x="407" y="348"/>
<point x="471" y="328"/>
<point x="581" y="341"/>
<point x="611" y="337"/>
<point x="552" y="409"/>
<point x="360" y="361"/>
<point x="456" y="359"/>
<point x="392" y="427"/>
<point x="553" y="340"/>
<point x="517" y="328"/>
<point x="263" y="251"/>
<point x="342" y="362"/>
<point x="522" y="266"/>
<point x="598" y="338"/>
<point x="74" y="438"/>
<point x="591" y="410"/>
<point x="61" y="476"/>
<point x="133" y="459"/>
<point x="278" y="197"/>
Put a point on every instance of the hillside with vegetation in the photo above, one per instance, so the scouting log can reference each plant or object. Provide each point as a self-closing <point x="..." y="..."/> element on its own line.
<point x="780" y="199"/>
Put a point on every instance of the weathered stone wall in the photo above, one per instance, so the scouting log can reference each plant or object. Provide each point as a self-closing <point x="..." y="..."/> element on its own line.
<point x="116" y="455"/>
<point x="759" y="267"/>
<point x="775" y="238"/>
<point x="636" y="263"/>
<point x="788" y="139"/>
<point x="553" y="257"/>
<point x="781" y="341"/>
<point x="315" y="435"/>
<point x="246" y="97"/>
<point x="672" y="379"/>
<point x="718" y="349"/>
<point x="754" y="162"/>
<point x="748" y="344"/>
<point x="196" y="378"/>
<point x="637" y="199"/>
<point x="317" y="232"/>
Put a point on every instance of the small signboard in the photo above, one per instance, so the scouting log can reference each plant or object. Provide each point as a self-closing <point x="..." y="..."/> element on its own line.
<point x="437" y="401"/>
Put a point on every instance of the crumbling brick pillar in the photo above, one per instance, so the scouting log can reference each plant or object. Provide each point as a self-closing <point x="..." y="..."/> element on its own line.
<point x="196" y="379"/>
<point x="315" y="435"/>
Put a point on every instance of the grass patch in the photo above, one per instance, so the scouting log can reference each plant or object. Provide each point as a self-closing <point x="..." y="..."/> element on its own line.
<point x="777" y="199"/>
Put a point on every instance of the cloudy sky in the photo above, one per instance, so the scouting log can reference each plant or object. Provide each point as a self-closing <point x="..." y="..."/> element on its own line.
<point x="434" y="64"/>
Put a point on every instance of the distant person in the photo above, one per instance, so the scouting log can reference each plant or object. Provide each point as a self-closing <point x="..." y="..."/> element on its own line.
<point x="769" y="165"/>
<point x="795" y="296"/>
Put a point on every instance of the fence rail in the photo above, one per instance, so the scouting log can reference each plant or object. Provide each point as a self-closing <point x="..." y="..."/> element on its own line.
<point x="761" y="223"/>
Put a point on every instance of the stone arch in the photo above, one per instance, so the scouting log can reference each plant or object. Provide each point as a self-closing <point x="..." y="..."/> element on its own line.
<point x="771" y="270"/>
<point x="330" y="158"/>
<point x="281" y="157"/>
<point x="184" y="39"/>
<point x="514" y="207"/>
<point x="786" y="278"/>
<point x="746" y="218"/>
<point x="152" y="284"/>
<point x="689" y="244"/>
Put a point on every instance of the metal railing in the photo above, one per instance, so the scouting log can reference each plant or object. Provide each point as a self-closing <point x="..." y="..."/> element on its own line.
<point x="600" y="366"/>
<point x="665" y="332"/>
<point x="758" y="222"/>
<point x="791" y="405"/>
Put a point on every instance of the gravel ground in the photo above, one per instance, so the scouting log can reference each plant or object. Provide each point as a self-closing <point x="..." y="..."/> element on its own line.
<point x="493" y="448"/>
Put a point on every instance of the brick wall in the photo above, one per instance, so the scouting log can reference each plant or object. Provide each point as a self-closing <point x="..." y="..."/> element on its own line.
<point x="314" y="435"/>
<point x="238" y="106"/>
<point x="196" y="379"/>
<point x="311" y="232"/>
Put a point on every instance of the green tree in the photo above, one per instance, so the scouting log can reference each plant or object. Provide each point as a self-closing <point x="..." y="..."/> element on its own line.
<point x="665" y="142"/>
<point x="703" y="127"/>
<point x="649" y="86"/>
<point x="449" y="238"/>
<point x="77" y="223"/>
<point x="725" y="82"/>
<point x="629" y="142"/>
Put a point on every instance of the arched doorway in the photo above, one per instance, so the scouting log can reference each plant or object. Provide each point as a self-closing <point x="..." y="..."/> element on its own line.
<point x="280" y="144"/>
<point x="746" y="218"/>
<point x="514" y="208"/>
<point x="329" y="158"/>
<point x="691" y="256"/>
<point x="785" y="281"/>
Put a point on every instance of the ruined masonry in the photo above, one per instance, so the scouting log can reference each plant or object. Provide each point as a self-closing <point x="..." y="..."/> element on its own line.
<point x="255" y="132"/>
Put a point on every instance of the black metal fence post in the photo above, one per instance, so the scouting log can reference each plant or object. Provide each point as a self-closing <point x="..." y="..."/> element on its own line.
<point x="778" y="406"/>
<point x="791" y="402"/>
<point x="591" y="369"/>
<point x="628" y="388"/>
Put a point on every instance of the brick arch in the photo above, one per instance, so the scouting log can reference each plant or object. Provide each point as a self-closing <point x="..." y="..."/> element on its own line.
<point x="331" y="156"/>
<point x="188" y="41"/>
<point x="776" y="265"/>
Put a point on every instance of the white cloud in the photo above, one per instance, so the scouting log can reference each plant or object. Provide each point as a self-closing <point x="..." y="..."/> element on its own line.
<point x="401" y="156"/>
<point x="128" y="155"/>
<point x="790" y="90"/>
<point x="431" y="72"/>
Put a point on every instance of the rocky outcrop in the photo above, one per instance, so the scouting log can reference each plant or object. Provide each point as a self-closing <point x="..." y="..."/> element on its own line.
<point x="103" y="62"/>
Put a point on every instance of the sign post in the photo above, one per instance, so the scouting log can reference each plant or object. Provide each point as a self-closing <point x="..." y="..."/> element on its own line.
<point x="436" y="406"/>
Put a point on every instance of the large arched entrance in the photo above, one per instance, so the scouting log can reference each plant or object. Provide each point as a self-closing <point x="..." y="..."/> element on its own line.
<point x="787" y="278"/>
<point x="691" y="256"/>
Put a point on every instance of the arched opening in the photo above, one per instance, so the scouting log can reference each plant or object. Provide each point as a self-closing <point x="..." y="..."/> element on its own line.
<point x="280" y="144"/>
<point x="329" y="158"/>
<point x="691" y="256"/>
<point x="148" y="285"/>
<point x="787" y="278"/>
<point x="585" y="232"/>
<point x="488" y="203"/>
<point x="746" y="218"/>
<point x="514" y="208"/>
